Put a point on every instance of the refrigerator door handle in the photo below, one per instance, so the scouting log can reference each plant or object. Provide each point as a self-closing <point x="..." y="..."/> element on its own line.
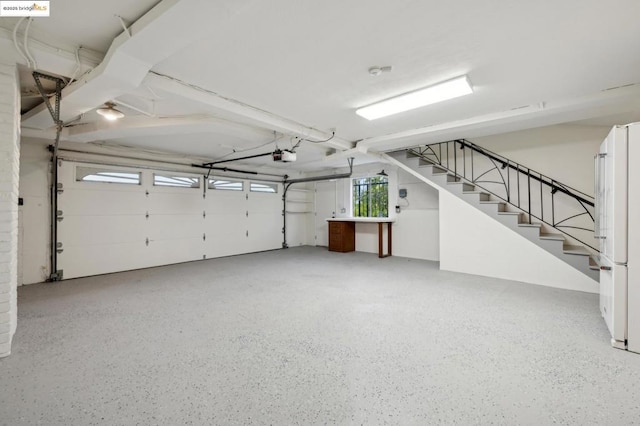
<point x="599" y="195"/>
<point x="596" y="187"/>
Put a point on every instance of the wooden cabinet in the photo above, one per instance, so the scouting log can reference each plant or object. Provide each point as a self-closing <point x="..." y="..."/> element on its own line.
<point x="342" y="236"/>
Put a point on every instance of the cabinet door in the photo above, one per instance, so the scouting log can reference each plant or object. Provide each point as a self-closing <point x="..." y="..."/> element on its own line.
<point x="335" y="236"/>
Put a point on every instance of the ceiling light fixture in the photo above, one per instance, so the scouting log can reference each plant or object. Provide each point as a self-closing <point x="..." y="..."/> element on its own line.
<point x="449" y="89"/>
<point x="382" y="173"/>
<point x="109" y="111"/>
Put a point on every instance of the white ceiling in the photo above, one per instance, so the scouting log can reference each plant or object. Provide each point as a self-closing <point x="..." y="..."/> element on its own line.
<point x="207" y="78"/>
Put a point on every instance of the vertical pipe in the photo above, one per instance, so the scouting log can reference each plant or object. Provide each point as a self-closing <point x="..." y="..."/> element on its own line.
<point x="53" y="274"/>
<point x="284" y="216"/>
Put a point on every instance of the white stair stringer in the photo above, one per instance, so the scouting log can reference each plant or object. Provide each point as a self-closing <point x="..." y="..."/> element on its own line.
<point x="553" y="243"/>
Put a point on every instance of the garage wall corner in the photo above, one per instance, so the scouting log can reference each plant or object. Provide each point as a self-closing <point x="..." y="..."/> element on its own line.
<point x="9" y="179"/>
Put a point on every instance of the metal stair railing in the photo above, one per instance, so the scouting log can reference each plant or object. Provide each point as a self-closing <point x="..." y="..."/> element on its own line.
<point x="566" y="209"/>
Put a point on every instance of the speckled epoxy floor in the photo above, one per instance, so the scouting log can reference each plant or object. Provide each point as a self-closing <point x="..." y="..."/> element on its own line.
<point x="304" y="336"/>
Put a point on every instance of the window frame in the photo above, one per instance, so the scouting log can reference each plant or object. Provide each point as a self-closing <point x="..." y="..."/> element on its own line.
<point x="273" y="185"/>
<point x="169" y="175"/>
<point x="371" y="204"/>
<point x="80" y="169"/>
<point x="211" y="185"/>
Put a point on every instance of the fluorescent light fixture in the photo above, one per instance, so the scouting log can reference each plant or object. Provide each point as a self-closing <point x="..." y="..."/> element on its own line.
<point x="449" y="89"/>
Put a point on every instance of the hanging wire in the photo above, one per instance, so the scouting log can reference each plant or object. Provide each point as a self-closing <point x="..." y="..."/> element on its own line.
<point x="333" y="135"/>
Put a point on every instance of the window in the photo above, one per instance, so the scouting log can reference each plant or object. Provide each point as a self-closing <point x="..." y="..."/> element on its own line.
<point x="95" y="174"/>
<point x="226" y="184"/>
<point x="176" y="181"/>
<point x="264" y="187"/>
<point x="371" y="197"/>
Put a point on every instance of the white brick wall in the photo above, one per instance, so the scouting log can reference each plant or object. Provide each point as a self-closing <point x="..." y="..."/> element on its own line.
<point x="9" y="178"/>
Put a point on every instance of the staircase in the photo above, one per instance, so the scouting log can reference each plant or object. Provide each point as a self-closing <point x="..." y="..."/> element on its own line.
<point x="552" y="215"/>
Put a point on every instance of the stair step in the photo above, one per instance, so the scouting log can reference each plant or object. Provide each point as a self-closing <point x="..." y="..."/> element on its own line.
<point x="577" y="250"/>
<point x="557" y="237"/>
<point x="484" y="196"/>
<point x="509" y="213"/>
<point x="464" y="184"/>
<point x="530" y="225"/>
<point x="435" y="169"/>
<point x="423" y="162"/>
<point x="500" y="206"/>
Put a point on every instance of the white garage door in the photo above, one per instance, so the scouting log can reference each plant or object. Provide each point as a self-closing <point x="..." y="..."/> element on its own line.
<point x="120" y="218"/>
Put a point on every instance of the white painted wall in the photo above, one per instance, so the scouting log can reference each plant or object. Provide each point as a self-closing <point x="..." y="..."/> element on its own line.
<point x="9" y="181"/>
<point x="564" y="152"/>
<point x="474" y="243"/>
<point x="34" y="226"/>
<point x="417" y="228"/>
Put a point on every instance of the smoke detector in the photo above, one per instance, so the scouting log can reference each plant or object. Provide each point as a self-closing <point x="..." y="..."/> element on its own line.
<point x="376" y="71"/>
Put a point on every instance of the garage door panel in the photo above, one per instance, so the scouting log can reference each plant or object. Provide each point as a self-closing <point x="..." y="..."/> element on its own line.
<point x="176" y="226"/>
<point x="98" y="230"/>
<point x="226" y="246"/>
<point x="187" y="201"/>
<point x="265" y="231"/>
<point x="228" y="201"/>
<point x="175" y="250"/>
<point x="82" y="261"/>
<point x="100" y="202"/>
<point x="226" y="235"/>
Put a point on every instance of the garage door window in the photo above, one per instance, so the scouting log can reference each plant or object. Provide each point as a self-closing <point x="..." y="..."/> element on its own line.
<point x="226" y="184"/>
<point x="95" y="174"/>
<point x="176" y="181"/>
<point x="264" y="187"/>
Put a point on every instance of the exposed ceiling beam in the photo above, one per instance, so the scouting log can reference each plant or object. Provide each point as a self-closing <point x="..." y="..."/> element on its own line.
<point x="616" y="100"/>
<point x="149" y="126"/>
<point x="133" y="53"/>
<point x="264" y="118"/>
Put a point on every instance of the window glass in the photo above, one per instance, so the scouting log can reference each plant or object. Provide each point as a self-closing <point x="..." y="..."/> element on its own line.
<point x="226" y="184"/>
<point x="176" y="181"/>
<point x="371" y="197"/>
<point x="97" y="174"/>
<point x="264" y="187"/>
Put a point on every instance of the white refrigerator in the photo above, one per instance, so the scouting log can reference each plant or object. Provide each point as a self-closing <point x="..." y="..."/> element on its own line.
<point x="617" y="226"/>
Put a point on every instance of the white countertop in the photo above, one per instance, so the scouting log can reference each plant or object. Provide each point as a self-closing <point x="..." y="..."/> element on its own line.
<point x="362" y="219"/>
